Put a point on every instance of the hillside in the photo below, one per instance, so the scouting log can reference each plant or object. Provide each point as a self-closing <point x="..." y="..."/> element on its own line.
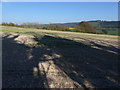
<point x="110" y="26"/>
<point x="100" y="27"/>
<point x="36" y="58"/>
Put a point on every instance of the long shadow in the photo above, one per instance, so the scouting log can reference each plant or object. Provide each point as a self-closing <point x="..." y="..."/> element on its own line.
<point x="110" y="47"/>
<point x="17" y="68"/>
<point x="83" y="63"/>
<point x="80" y="62"/>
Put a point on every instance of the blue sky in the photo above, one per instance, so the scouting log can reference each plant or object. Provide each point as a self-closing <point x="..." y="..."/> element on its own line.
<point x="58" y="12"/>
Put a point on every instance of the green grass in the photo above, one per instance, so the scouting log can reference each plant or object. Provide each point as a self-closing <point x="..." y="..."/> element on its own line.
<point x="94" y="23"/>
<point x="110" y="32"/>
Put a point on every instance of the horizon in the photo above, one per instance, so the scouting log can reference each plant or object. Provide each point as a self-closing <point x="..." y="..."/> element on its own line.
<point x="58" y="12"/>
<point x="65" y="22"/>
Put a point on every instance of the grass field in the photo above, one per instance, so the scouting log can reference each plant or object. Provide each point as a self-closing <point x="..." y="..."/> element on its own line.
<point x="95" y="23"/>
<point x="113" y="31"/>
<point x="70" y="34"/>
<point x="35" y="58"/>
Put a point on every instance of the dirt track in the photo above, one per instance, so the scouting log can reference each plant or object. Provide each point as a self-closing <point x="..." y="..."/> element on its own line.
<point x="59" y="61"/>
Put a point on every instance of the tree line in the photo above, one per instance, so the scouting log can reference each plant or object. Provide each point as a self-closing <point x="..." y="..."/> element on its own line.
<point x="83" y="27"/>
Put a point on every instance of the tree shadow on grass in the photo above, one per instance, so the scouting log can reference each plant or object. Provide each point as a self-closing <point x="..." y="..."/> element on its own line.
<point x="86" y="65"/>
<point x="17" y="70"/>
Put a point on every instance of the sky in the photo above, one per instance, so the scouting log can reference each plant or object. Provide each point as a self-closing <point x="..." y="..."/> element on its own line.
<point x="58" y="12"/>
<point x="60" y="0"/>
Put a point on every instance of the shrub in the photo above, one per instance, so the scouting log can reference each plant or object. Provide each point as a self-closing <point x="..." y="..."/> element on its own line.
<point x="11" y="24"/>
<point x="44" y="28"/>
<point x="86" y="27"/>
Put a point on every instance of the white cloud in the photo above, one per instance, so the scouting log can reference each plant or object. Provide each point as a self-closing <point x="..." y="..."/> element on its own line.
<point x="60" y="0"/>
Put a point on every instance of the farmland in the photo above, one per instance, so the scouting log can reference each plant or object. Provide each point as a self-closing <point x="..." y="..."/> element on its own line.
<point x="36" y="58"/>
<point x="111" y="27"/>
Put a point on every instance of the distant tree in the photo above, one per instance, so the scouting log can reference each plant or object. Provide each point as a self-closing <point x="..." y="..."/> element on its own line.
<point x="56" y="27"/>
<point x="4" y="24"/>
<point x="86" y="27"/>
<point x="18" y="25"/>
<point x="78" y="28"/>
<point x="51" y="27"/>
<point x="31" y="25"/>
<point x="44" y="28"/>
<point x="63" y="28"/>
<point x="11" y="24"/>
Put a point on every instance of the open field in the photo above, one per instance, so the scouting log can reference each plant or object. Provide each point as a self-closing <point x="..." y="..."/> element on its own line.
<point x="34" y="58"/>
<point x="105" y="25"/>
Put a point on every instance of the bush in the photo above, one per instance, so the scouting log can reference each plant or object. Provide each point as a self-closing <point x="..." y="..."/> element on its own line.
<point x="11" y="24"/>
<point x="86" y="27"/>
<point x="44" y="28"/>
<point x="8" y="24"/>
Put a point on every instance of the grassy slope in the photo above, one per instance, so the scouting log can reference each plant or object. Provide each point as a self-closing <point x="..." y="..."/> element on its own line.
<point x="110" y="32"/>
<point x="80" y="62"/>
<point x="58" y="33"/>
